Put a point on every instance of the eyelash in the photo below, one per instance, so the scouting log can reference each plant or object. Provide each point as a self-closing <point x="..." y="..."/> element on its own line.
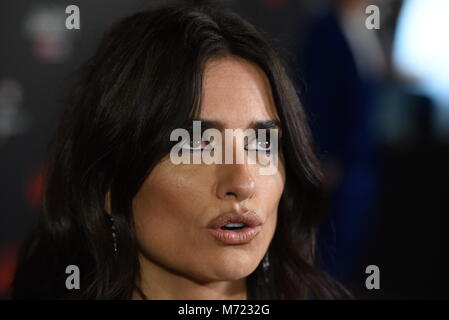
<point x="266" y="149"/>
<point x="193" y="149"/>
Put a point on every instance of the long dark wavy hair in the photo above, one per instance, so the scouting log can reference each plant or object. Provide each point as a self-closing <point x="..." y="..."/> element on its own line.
<point x="145" y="80"/>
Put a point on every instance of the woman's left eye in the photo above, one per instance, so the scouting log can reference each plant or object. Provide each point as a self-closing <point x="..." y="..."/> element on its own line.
<point x="259" y="144"/>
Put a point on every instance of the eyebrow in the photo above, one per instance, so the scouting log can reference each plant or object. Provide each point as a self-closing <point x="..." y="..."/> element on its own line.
<point x="263" y="124"/>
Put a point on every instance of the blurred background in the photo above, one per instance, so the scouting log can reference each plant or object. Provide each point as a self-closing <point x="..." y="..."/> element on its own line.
<point x="377" y="100"/>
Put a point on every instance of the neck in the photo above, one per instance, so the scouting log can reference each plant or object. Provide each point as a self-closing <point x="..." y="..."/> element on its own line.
<point x="159" y="283"/>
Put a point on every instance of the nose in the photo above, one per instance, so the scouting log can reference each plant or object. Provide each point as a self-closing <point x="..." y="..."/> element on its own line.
<point x="235" y="181"/>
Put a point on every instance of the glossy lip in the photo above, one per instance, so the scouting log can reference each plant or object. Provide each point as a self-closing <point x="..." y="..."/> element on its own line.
<point x="253" y="225"/>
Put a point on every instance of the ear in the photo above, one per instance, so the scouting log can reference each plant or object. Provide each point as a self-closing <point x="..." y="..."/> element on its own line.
<point x="107" y="202"/>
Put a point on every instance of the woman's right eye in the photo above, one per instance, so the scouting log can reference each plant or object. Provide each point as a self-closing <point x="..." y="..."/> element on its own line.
<point x="195" y="145"/>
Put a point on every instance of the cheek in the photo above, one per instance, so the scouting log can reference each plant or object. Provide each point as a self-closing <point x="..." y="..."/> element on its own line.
<point x="164" y="209"/>
<point x="269" y="194"/>
<point x="270" y="189"/>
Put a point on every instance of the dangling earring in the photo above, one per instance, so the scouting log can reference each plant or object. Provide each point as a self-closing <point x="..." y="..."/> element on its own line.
<point x="114" y="234"/>
<point x="266" y="261"/>
<point x="266" y="266"/>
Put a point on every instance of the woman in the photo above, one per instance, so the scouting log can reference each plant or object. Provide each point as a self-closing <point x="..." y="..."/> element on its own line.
<point x="139" y="226"/>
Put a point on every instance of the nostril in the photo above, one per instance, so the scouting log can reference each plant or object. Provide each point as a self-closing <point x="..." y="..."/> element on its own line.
<point x="231" y="194"/>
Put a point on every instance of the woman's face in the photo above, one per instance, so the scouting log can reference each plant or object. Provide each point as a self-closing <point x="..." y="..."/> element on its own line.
<point x="176" y="203"/>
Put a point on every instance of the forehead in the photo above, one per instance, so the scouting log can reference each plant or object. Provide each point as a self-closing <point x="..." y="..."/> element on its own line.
<point x="236" y="92"/>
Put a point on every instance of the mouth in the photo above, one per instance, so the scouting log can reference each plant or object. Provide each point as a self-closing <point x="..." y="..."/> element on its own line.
<point x="235" y="228"/>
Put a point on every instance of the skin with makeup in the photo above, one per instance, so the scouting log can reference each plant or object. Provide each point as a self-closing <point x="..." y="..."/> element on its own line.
<point x="187" y="248"/>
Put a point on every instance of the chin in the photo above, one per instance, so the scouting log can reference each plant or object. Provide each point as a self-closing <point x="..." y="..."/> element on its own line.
<point x="234" y="266"/>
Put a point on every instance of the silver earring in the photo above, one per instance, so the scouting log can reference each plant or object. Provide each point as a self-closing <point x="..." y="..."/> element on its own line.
<point x="266" y="266"/>
<point x="266" y="261"/>
<point x="114" y="234"/>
